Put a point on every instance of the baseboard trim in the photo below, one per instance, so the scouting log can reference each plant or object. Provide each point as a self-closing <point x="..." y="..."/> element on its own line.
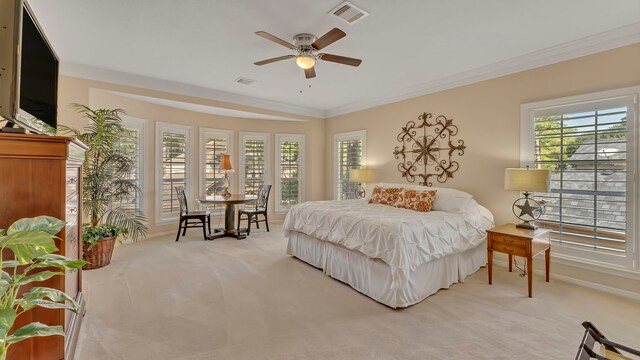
<point x="159" y="234"/>
<point x="604" y="288"/>
<point x="170" y="232"/>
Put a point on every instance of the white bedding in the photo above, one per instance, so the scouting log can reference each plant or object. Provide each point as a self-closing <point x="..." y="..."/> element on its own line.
<point x="403" y="239"/>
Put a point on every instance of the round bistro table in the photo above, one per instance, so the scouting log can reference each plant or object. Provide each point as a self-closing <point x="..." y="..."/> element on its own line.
<point x="230" y="203"/>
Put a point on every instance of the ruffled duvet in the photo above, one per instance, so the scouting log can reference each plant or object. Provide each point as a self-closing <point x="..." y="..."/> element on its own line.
<point x="403" y="239"/>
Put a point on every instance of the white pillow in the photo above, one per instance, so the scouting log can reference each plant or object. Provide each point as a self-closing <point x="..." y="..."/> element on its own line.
<point x="447" y="199"/>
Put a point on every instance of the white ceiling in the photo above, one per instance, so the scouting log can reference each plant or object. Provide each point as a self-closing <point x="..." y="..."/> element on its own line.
<point x="408" y="46"/>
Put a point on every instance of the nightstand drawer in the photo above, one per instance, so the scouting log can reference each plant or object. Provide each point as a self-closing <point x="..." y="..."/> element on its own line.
<point x="509" y="241"/>
<point x="509" y="249"/>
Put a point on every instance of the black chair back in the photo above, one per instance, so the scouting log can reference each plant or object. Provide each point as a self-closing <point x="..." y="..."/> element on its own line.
<point x="591" y="336"/>
<point x="263" y="196"/>
<point x="182" y="199"/>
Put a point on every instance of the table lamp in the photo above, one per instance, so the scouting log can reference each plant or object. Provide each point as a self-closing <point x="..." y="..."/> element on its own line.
<point x="361" y="176"/>
<point x="527" y="180"/>
<point x="226" y="168"/>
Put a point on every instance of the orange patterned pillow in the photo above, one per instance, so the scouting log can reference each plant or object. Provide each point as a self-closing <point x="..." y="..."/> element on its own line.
<point x="375" y="195"/>
<point x="385" y="196"/>
<point x="416" y="200"/>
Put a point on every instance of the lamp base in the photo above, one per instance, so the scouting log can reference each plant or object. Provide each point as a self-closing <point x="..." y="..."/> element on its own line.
<point x="526" y="225"/>
<point x="226" y="185"/>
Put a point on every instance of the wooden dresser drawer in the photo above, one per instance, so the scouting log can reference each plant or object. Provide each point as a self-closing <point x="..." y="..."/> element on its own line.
<point x="72" y="181"/>
<point x="72" y="207"/>
<point x="71" y="235"/>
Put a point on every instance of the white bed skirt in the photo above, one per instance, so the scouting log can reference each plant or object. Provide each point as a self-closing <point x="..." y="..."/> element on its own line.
<point x="373" y="277"/>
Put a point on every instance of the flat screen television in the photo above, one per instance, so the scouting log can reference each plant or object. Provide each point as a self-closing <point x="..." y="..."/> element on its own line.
<point x="29" y="71"/>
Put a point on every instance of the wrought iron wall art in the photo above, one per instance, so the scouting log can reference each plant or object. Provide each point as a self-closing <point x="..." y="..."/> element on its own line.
<point x="427" y="148"/>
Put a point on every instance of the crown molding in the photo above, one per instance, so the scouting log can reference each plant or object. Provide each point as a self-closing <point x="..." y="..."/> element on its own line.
<point x="146" y="82"/>
<point x="204" y="109"/>
<point x="622" y="36"/>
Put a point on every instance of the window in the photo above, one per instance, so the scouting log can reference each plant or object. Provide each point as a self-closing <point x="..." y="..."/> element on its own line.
<point x="213" y="143"/>
<point x="132" y="146"/>
<point x="289" y="170"/>
<point x="349" y="153"/>
<point x="588" y="144"/>
<point x="172" y="151"/>
<point x="253" y="164"/>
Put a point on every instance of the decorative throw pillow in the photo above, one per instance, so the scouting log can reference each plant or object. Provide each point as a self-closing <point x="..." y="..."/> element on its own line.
<point x="375" y="195"/>
<point x="385" y="196"/>
<point x="416" y="200"/>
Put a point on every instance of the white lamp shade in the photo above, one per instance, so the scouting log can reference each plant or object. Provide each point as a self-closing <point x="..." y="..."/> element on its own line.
<point x="535" y="180"/>
<point x="360" y="175"/>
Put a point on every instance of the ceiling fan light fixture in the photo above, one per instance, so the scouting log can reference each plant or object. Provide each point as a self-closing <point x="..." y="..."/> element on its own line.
<point x="305" y="61"/>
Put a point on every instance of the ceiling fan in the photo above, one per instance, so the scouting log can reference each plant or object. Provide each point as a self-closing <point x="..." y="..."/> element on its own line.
<point x="306" y="45"/>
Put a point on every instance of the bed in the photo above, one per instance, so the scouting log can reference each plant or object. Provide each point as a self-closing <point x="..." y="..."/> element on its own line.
<point x="396" y="256"/>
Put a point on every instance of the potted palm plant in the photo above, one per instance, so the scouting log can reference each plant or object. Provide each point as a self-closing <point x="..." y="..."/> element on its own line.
<point x="31" y="242"/>
<point x="107" y="189"/>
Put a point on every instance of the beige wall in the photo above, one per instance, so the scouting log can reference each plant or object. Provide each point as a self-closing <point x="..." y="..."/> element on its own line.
<point x="74" y="90"/>
<point x="487" y="114"/>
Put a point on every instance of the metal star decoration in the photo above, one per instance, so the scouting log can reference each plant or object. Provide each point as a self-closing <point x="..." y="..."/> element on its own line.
<point x="527" y="209"/>
<point x="434" y="148"/>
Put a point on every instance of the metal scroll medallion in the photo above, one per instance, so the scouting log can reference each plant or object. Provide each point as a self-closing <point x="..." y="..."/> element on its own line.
<point x="427" y="149"/>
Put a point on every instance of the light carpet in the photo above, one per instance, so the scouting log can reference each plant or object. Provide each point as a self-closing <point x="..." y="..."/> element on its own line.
<point x="246" y="299"/>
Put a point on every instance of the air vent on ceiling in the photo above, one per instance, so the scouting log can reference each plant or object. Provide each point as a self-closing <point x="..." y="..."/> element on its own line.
<point x="245" y="81"/>
<point x="349" y="12"/>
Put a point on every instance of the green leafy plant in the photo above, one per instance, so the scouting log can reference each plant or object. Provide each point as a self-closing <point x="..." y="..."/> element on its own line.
<point x="31" y="242"/>
<point x="92" y="234"/>
<point x="107" y="190"/>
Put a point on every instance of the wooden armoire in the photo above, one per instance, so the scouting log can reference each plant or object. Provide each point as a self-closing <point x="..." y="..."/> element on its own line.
<point x="41" y="175"/>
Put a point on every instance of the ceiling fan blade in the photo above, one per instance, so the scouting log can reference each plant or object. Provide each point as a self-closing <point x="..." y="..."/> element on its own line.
<point x="275" y="39"/>
<point x="329" y="38"/>
<point x="269" y="61"/>
<point x="310" y="73"/>
<point x="340" y="59"/>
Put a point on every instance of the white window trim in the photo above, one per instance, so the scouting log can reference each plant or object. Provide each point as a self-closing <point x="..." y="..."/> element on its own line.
<point x="141" y="125"/>
<point x="207" y="132"/>
<point x="267" y="158"/>
<point x="280" y="138"/>
<point x="346" y="136"/>
<point x="629" y="264"/>
<point x="180" y="129"/>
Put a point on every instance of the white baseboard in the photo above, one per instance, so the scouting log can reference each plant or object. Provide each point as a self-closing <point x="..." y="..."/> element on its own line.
<point x="604" y="288"/>
<point x="159" y="234"/>
<point x="173" y="232"/>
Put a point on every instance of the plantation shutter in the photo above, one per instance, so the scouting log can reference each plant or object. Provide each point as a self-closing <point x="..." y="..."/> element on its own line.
<point x="586" y="152"/>
<point x="174" y="149"/>
<point x="129" y="146"/>
<point x="289" y="173"/>
<point x="349" y="157"/>
<point x="254" y="165"/>
<point x="214" y="147"/>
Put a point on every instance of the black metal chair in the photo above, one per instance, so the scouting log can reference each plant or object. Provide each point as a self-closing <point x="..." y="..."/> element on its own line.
<point x="260" y="208"/>
<point x="191" y="219"/>
<point x="610" y="349"/>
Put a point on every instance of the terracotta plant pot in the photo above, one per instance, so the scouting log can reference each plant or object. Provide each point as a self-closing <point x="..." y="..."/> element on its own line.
<point x="100" y="253"/>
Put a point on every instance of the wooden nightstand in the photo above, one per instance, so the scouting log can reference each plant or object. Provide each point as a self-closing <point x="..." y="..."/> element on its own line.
<point x="511" y="240"/>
